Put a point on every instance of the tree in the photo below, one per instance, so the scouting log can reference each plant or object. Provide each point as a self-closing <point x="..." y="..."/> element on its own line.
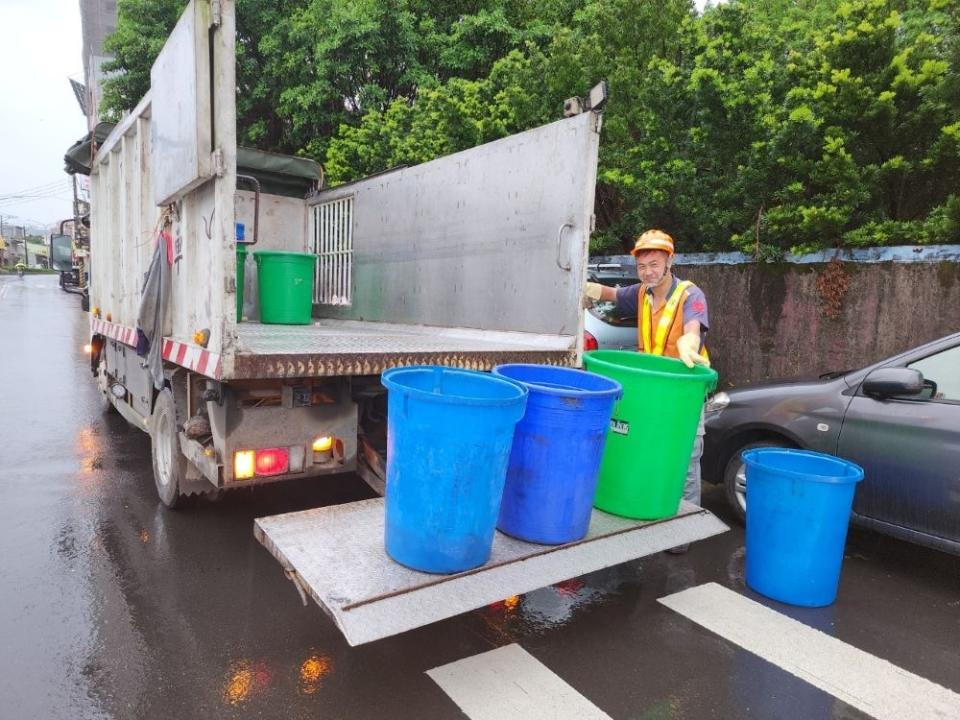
<point x="590" y="41"/>
<point x="762" y="126"/>
<point x="142" y="28"/>
<point x="866" y="152"/>
<point x="306" y="67"/>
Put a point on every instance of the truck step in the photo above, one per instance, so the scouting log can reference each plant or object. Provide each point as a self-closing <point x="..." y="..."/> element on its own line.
<point x="336" y="556"/>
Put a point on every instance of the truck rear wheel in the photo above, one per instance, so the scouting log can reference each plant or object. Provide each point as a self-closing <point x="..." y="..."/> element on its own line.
<point x="169" y="464"/>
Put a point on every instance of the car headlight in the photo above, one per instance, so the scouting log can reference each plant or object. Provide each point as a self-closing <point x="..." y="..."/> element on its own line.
<point x="717" y="402"/>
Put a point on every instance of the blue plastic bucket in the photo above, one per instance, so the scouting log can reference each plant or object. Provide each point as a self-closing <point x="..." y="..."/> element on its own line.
<point x="448" y="441"/>
<point x="557" y="448"/>
<point x="798" y="509"/>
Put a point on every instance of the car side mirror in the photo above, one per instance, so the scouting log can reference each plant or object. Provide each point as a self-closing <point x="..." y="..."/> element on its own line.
<point x="888" y="382"/>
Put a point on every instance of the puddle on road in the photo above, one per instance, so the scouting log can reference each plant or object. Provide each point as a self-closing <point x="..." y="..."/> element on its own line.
<point x="312" y="672"/>
<point x="88" y="447"/>
<point x="245" y="680"/>
<point x="545" y="609"/>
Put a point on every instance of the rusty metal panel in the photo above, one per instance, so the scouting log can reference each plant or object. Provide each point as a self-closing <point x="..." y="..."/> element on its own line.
<point x="335" y="348"/>
<point x="250" y="366"/>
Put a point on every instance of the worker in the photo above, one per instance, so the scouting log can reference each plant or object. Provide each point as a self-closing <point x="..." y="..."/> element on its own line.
<point x="672" y="320"/>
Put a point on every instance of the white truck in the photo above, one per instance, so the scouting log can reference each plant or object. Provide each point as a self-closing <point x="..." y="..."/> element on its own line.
<point x="470" y="260"/>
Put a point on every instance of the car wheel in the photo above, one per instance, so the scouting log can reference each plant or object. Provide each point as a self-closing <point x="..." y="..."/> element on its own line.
<point x="735" y="475"/>
<point x="169" y="464"/>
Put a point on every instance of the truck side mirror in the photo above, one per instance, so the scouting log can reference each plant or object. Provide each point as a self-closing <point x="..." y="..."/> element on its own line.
<point x="61" y="253"/>
<point x="888" y="382"/>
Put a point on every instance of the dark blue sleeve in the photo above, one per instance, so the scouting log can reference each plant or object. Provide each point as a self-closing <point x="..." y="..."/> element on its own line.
<point x="627" y="299"/>
<point x="695" y="307"/>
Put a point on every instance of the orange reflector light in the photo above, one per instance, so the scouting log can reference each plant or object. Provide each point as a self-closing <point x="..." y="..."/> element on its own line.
<point x="88" y="348"/>
<point x="323" y="444"/>
<point x="243" y="464"/>
<point x="272" y="461"/>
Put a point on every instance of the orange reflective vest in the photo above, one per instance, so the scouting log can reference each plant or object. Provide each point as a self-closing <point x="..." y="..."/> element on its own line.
<point x="659" y="331"/>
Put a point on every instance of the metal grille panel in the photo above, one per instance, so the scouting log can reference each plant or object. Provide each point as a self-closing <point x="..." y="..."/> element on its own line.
<point x="333" y="244"/>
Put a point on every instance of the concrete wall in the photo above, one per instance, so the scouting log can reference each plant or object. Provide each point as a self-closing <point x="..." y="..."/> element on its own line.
<point x="769" y="320"/>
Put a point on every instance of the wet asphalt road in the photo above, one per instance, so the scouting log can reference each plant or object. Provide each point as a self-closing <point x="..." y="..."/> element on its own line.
<point x="112" y="607"/>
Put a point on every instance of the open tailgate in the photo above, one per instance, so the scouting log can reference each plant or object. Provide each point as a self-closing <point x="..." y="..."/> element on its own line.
<point x="336" y="556"/>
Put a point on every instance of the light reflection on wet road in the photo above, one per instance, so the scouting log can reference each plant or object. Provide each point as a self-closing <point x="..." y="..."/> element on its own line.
<point x="112" y="607"/>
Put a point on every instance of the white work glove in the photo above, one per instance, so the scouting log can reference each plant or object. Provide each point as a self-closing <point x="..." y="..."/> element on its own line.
<point x="688" y="346"/>
<point x="593" y="290"/>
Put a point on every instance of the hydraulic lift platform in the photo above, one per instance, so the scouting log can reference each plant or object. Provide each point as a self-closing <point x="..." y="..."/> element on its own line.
<point x="336" y="556"/>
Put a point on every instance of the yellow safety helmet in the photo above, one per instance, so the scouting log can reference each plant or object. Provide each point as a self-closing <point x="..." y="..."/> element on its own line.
<point x="653" y="240"/>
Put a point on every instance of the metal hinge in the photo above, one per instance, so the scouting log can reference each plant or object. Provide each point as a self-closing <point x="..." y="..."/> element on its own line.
<point x="593" y="222"/>
<point x="215" y="13"/>
<point x="218" y="168"/>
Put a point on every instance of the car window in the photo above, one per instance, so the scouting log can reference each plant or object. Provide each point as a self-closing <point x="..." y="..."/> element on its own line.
<point x="942" y="371"/>
<point x="607" y="311"/>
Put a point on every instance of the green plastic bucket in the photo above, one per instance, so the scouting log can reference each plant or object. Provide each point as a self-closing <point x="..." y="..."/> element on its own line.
<point x="652" y="431"/>
<point x="285" y="282"/>
<point x="241" y="275"/>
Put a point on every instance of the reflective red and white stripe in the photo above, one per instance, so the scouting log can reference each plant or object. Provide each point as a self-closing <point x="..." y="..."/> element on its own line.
<point x="126" y="335"/>
<point x="192" y="357"/>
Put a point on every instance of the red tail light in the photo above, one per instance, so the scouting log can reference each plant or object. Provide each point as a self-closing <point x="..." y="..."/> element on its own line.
<point x="272" y="461"/>
<point x="589" y="342"/>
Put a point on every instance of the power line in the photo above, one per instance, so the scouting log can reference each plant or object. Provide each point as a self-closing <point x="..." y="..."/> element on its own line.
<point x="36" y="189"/>
<point x="45" y="184"/>
<point x="52" y="192"/>
<point x="38" y="196"/>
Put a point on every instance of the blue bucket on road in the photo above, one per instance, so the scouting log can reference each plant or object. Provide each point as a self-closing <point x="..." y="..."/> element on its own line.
<point x="448" y="441"/>
<point x="798" y="510"/>
<point x="557" y="448"/>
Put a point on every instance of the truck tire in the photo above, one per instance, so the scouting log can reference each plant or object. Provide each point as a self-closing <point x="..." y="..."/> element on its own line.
<point x="169" y="464"/>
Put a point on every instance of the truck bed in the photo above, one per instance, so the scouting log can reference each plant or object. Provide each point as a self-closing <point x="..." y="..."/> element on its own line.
<point x="336" y="556"/>
<point x="342" y="347"/>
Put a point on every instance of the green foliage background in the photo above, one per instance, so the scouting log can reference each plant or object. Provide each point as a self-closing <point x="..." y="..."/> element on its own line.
<point x="760" y="125"/>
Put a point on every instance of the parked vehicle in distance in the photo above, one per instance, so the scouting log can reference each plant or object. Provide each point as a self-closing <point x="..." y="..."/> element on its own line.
<point x="604" y="329"/>
<point x="899" y="419"/>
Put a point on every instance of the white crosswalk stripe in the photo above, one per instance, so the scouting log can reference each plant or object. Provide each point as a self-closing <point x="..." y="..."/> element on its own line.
<point x="868" y="683"/>
<point x="510" y="684"/>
